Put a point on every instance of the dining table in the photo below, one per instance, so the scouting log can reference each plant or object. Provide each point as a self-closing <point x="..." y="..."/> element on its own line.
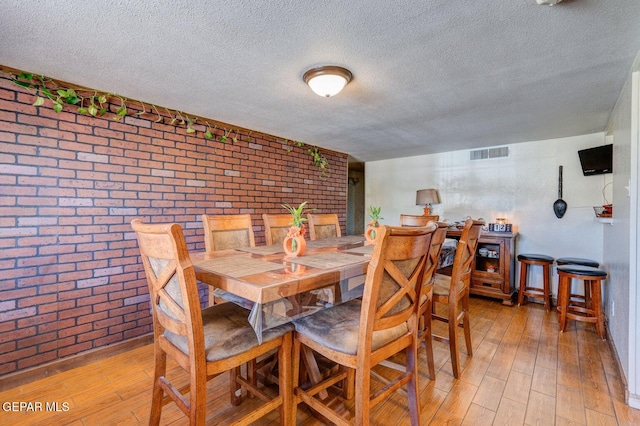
<point x="277" y="288"/>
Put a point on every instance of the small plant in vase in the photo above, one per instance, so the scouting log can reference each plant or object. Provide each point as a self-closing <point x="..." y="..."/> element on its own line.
<point x="294" y="243"/>
<point x="374" y="214"/>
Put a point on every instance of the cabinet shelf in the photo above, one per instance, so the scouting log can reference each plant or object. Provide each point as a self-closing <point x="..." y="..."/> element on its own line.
<point x="499" y="283"/>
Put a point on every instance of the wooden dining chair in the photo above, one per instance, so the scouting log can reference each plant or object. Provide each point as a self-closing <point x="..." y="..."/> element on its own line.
<point x="276" y="227"/>
<point x="413" y="220"/>
<point x="323" y="226"/>
<point x="360" y="334"/>
<point x="226" y="232"/>
<point x="453" y="291"/>
<point x="425" y="332"/>
<point x="206" y="342"/>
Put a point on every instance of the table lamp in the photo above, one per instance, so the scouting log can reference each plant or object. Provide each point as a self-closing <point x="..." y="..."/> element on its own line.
<point x="427" y="197"/>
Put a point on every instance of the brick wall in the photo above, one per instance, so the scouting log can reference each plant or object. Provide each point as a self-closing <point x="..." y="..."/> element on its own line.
<point x="70" y="277"/>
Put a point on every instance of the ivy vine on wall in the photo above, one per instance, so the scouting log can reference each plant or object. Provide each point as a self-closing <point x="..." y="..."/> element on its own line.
<point x="97" y="104"/>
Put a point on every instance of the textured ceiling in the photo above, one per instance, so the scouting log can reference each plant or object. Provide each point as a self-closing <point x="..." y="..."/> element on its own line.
<point x="429" y="75"/>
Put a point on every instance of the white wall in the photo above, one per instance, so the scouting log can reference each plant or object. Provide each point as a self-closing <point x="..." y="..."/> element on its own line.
<point x="521" y="188"/>
<point x="621" y="239"/>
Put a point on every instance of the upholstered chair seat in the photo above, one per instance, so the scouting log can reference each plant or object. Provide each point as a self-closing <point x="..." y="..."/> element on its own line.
<point x="337" y="328"/>
<point x="442" y="285"/>
<point x="227" y="332"/>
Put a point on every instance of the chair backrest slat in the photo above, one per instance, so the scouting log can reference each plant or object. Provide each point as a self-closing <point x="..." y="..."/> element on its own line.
<point x="323" y="226"/>
<point x="225" y="232"/>
<point x="276" y="227"/>
<point x="413" y="220"/>
<point x="172" y="282"/>
<point x="463" y="260"/>
<point x="394" y="279"/>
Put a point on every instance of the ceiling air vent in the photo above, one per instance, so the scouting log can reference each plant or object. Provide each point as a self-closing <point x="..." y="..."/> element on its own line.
<point x="487" y="153"/>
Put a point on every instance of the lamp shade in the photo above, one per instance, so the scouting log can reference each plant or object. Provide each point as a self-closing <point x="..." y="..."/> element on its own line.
<point x="327" y="81"/>
<point x="427" y="196"/>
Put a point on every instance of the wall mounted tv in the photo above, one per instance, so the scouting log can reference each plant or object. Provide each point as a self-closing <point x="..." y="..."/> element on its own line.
<point x="597" y="161"/>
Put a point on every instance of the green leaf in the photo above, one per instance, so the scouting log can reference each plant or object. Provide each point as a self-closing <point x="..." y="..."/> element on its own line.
<point x="57" y="106"/>
<point x="191" y="130"/>
<point x="73" y="100"/>
<point x="62" y="93"/>
<point x="234" y="140"/>
<point x="92" y="110"/>
<point x="22" y="83"/>
<point x="82" y="110"/>
<point x="39" y="101"/>
<point x="102" y="99"/>
<point x="71" y="93"/>
<point x="208" y="134"/>
<point x="102" y="111"/>
<point x="26" y="76"/>
<point x="47" y="93"/>
<point x="122" y="111"/>
<point x="223" y="139"/>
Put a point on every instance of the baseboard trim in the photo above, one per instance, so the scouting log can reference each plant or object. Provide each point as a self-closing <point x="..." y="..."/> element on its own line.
<point x="616" y="358"/>
<point x="19" y="378"/>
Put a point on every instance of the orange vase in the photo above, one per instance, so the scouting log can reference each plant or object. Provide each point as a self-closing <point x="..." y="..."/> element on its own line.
<point x="370" y="235"/>
<point x="294" y="246"/>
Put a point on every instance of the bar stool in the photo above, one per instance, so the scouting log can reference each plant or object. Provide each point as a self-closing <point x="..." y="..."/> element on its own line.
<point x="577" y="298"/>
<point x="591" y="310"/>
<point x="539" y="260"/>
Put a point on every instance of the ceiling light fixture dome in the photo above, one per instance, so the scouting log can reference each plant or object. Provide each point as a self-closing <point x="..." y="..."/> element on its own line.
<point x="548" y="2"/>
<point x="328" y="80"/>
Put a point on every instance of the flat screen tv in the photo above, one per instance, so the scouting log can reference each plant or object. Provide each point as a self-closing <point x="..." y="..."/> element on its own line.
<point x="597" y="161"/>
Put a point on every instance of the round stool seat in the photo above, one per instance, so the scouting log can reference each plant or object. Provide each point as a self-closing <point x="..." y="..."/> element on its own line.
<point x="587" y="271"/>
<point x="536" y="257"/>
<point x="577" y="261"/>
<point x="527" y="290"/>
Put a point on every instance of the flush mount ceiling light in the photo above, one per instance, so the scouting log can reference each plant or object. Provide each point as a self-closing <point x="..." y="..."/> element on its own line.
<point x="549" y="2"/>
<point x="328" y="80"/>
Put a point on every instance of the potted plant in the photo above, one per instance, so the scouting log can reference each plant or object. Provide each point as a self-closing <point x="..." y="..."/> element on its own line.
<point x="374" y="214"/>
<point x="294" y="243"/>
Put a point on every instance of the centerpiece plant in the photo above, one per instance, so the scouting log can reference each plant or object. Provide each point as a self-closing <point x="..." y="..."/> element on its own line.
<point x="294" y="243"/>
<point x="374" y="214"/>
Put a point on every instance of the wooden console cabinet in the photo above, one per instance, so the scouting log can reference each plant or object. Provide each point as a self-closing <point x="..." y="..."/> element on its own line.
<point x="494" y="265"/>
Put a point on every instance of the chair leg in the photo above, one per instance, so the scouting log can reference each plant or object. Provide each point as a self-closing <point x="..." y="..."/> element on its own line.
<point x="466" y="324"/>
<point x="412" y="385"/>
<point x="295" y="381"/>
<point x="564" y="294"/>
<point x="158" y="394"/>
<point x="198" y="397"/>
<point x="596" y="302"/>
<point x="523" y="283"/>
<point x="453" y="340"/>
<point x="546" y="287"/>
<point x="235" y="389"/>
<point x="362" y="401"/>
<point x="428" y="341"/>
<point x="285" y="381"/>
<point x="349" y="384"/>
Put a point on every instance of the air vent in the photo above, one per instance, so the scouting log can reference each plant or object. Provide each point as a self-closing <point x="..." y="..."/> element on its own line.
<point x="487" y="153"/>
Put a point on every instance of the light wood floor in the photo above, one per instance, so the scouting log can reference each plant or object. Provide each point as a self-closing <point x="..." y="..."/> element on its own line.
<point x="522" y="372"/>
